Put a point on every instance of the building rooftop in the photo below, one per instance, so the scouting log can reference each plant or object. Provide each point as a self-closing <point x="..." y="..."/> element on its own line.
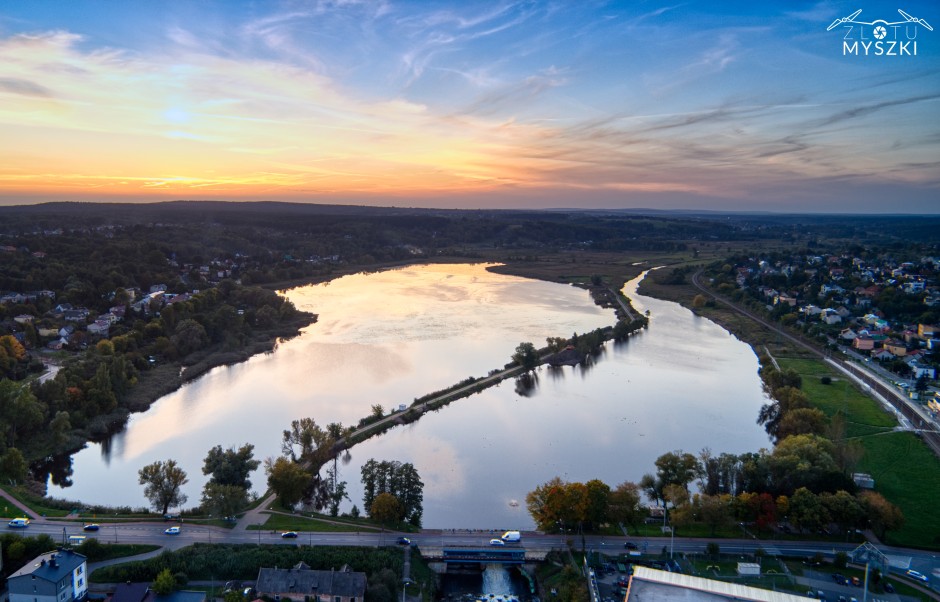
<point x="303" y="581"/>
<point x="651" y="585"/>
<point x="52" y="566"/>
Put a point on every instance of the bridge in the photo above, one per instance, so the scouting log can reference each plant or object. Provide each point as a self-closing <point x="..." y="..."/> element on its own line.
<point x="481" y="555"/>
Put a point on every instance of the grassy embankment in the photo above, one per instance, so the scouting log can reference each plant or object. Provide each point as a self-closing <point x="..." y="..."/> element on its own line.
<point x="899" y="462"/>
<point x="321" y="523"/>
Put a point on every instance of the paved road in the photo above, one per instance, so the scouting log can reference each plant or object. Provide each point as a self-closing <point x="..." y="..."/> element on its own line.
<point x="901" y="404"/>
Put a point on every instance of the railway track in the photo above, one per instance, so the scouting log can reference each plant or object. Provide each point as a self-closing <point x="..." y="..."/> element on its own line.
<point x="901" y="405"/>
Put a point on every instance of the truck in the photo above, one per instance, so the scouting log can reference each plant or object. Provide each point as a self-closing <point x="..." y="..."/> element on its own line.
<point x="511" y="537"/>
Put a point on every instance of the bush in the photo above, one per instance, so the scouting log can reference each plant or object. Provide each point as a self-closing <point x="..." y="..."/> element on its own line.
<point x="826" y="380"/>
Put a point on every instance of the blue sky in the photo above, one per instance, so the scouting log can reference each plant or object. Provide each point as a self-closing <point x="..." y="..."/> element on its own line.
<point x="695" y="105"/>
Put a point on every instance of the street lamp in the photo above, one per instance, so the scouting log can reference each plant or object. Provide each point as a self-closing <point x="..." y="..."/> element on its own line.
<point x="404" y="586"/>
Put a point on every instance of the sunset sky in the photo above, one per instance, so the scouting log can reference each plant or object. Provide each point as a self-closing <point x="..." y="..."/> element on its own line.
<point x="685" y="105"/>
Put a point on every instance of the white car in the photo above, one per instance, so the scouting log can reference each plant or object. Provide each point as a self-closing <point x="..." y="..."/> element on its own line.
<point x="172" y="531"/>
<point x="497" y="542"/>
<point x="915" y="575"/>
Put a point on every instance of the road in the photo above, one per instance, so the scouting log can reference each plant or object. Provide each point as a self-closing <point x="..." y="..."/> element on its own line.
<point x="433" y="540"/>
<point x="903" y="406"/>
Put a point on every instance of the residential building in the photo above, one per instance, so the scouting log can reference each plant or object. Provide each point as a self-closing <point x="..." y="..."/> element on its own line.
<point x="140" y="592"/>
<point x="301" y="583"/>
<point x="59" y="576"/>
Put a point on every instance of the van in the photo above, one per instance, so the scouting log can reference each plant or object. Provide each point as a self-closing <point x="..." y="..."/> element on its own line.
<point x="76" y="540"/>
<point x="19" y="523"/>
<point x="511" y="537"/>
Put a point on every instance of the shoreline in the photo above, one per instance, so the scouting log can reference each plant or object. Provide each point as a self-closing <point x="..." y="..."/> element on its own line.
<point x="168" y="378"/>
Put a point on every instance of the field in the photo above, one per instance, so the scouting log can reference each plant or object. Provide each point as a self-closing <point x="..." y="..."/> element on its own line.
<point x="899" y="462"/>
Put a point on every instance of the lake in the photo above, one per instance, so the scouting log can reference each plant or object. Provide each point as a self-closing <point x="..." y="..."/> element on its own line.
<point x="389" y="337"/>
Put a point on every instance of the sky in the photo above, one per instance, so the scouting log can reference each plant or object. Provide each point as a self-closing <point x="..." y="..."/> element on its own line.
<point x="706" y="105"/>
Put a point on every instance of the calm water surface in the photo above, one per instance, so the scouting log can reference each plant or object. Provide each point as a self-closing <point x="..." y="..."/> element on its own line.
<point x="391" y="336"/>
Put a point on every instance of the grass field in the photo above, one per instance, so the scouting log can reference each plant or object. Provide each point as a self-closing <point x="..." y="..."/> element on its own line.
<point x="904" y="469"/>
<point x="287" y="522"/>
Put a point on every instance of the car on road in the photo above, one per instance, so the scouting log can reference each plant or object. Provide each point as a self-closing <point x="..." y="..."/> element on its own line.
<point x="172" y="531"/>
<point x="889" y="588"/>
<point x="497" y="542"/>
<point x="91" y="527"/>
<point x="289" y="535"/>
<point x="916" y="575"/>
<point x="403" y="541"/>
<point x="19" y="523"/>
<point x="630" y="545"/>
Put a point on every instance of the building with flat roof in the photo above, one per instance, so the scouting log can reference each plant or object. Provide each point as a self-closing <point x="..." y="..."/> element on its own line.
<point x="58" y="576"/>
<point x="651" y="585"/>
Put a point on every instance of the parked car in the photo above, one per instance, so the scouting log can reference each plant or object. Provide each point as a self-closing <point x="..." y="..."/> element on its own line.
<point x="289" y="535"/>
<point x="90" y="527"/>
<point x="172" y="531"/>
<point x="916" y="575"/>
<point x="403" y="541"/>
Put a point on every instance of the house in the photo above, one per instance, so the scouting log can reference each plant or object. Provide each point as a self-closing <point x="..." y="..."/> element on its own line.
<point x="863" y="343"/>
<point x="882" y="355"/>
<point x="301" y="583"/>
<point x="99" y="328"/>
<point x="847" y="335"/>
<point x="927" y="331"/>
<point x="918" y="370"/>
<point x="830" y="316"/>
<point x="23" y="319"/>
<point x="811" y="310"/>
<point x="58" y="576"/>
<point x="140" y="592"/>
<point x="896" y="347"/>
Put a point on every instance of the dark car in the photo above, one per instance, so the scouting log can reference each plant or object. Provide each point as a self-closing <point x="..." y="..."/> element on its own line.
<point x="91" y="527"/>
<point x="289" y="534"/>
<point x="403" y="541"/>
<point x="630" y="545"/>
<point x="889" y="588"/>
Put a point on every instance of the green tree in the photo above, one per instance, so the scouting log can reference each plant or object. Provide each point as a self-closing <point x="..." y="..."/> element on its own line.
<point x="287" y="479"/>
<point x="400" y="480"/>
<point x="189" y="336"/>
<point x="163" y="482"/>
<point x="164" y="584"/>
<point x="526" y="356"/>
<point x="807" y="511"/>
<point x="804" y="461"/>
<point x="231" y="466"/>
<point x="60" y="427"/>
<point x="801" y="421"/>
<point x="625" y="505"/>
<point x="13" y="466"/>
<point x="19" y="410"/>
<point x="223" y="500"/>
<point x="844" y="508"/>
<point x="386" y="509"/>
<point x="785" y="399"/>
